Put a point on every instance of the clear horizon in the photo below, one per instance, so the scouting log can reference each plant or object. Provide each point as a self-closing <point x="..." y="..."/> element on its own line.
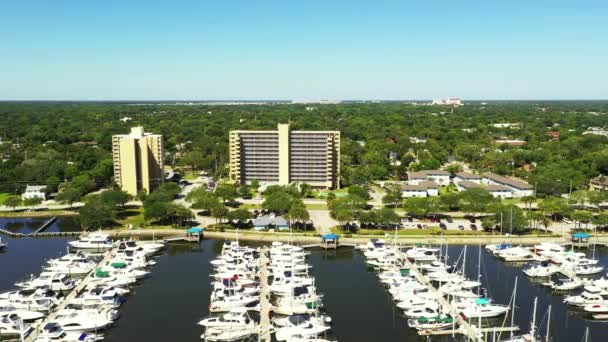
<point x="340" y="50"/>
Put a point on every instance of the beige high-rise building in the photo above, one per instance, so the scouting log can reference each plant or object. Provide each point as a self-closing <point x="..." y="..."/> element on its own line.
<point x="283" y="157"/>
<point x="138" y="160"/>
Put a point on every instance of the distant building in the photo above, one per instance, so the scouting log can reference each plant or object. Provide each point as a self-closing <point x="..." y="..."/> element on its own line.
<point x="506" y="125"/>
<point x="416" y="140"/>
<point x="270" y="221"/>
<point x="519" y="187"/>
<point x="138" y="160"/>
<point x="34" y="191"/>
<point x="440" y="177"/>
<point x="596" y="131"/>
<point x="283" y="157"/>
<point x="497" y="191"/>
<point x="510" y="142"/>
<point x="466" y="176"/>
<point x="599" y="183"/>
<point x="553" y="135"/>
<point x="423" y="189"/>
<point x="448" y="102"/>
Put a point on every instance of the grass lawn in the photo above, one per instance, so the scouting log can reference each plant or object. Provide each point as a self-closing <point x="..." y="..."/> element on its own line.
<point x="4" y="196"/>
<point x="135" y="216"/>
<point x="323" y="193"/>
<point x="316" y="206"/>
<point x="191" y="175"/>
<point x="250" y="206"/>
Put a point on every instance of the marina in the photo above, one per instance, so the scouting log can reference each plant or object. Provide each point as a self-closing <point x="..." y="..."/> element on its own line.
<point x="360" y="308"/>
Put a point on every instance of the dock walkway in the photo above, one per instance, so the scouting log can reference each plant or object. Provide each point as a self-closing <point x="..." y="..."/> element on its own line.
<point x="264" y="298"/>
<point x="67" y="299"/>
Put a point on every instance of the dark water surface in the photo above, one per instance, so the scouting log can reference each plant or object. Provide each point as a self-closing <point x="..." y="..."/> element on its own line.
<point x="168" y="304"/>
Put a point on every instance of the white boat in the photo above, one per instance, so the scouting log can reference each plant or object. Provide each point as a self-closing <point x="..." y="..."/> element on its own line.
<point x="417" y="303"/>
<point x="515" y="254"/>
<point x="422" y="254"/>
<point x="587" y="269"/>
<point x="585" y="298"/>
<point x="231" y="302"/>
<point x="566" y="285"/>
<point x="372" y="244"/>
<point x="482" y="308"/>
<point x="49" y="280"/>
<point x="94" y="241"/>
<point x="53" y="332"/>
<point x="98" y="297"/>
<point x="228" y="334"/>
<point x="84" y="320"/>
<point x="2" y="244"/>
<point x="438" y="322"/>
<point x="11" y="324"/>
<point x="309" y="329"/>
<point x="299" y="319"/>
<point x="25" y="315"/>
<point x="425" y="311"/>
<point x="235" y="317"/>
<point x="541" y="270"/>
<point x="30" y="299"/>
<point x="597" y="308"/>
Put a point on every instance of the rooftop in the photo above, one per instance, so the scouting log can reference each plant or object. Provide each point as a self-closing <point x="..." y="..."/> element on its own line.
<point x="425" y="173"/>
<point x="513" y="182"/>
<point x="467" y="175"/>
<point x="35" y="188"/>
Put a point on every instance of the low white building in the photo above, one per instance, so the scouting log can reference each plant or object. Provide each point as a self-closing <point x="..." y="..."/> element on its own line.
<point x="519" y="187"/>
<point x="466" y="176"/>
<point x="34" y="191"/>
<point x="497" y="191"/>
<point x="449" y="102"/>
<point x="424" y="189"/>
<point x="442" y="178"/>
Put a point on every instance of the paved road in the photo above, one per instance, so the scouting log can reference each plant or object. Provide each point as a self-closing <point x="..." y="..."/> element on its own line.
<point x="322" y="220"/>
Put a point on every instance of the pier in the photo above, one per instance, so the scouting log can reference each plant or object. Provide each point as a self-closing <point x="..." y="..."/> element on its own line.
<point x="67" y="299"/>
<point x="44" y="226"/>
<point x="264" y="335"/>
<point x="38" y="235"/>
<point x="465" y="328"/>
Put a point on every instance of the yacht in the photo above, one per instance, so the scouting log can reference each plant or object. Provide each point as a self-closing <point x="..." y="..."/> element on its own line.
<point x="432" y="323"/>
<point x="25" y="315"/>
<point x="49" y="280"/>
<point x="299" y="319"/>
<point x="30" y="299"/>
<point x="2" y="244"/>
<point x="422" y="254"/>
<point x="566" y="285"/>
<point x="515" y="254"/>
<point x="11" y="324"/>
<point x="307" y="330"/>
<point x="84" y="320"/>
<point x="228" y="334"/>
<point x="482" y="308"/>
<point x="584" y="299"/>
<point x="234" y="318"/>
<point x="424" y="311"/>
<point x="95" y="241"/>
<point x="228" y="303"/>
<point x="53" y="332"/>
<point x="587" y="269"/>
<point x="541" y="270"/>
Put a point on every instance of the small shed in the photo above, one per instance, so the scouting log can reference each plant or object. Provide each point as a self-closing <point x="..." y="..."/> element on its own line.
<point x="330" y="241"/>
<point x="194" y="234"/>
<point x="270" y="221"/>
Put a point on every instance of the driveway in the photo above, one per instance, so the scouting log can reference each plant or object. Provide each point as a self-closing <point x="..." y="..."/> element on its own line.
<point x="322" y="220"/>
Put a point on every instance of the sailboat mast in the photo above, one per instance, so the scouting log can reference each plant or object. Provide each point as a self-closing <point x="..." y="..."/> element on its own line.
<point x="513" y="310"/>
<point x="533" y="327"/>
<point x="479" y="270"/>
<point x="586" y="334"/>
<point x="548" y="324"/>
<point x="464" y="261"/>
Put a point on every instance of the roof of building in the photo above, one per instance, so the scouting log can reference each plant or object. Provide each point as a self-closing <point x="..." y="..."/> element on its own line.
<point x="270" y="219"/>
<point x="600" y="180"/>
<point x="508" y="181"/>
<point x="425" y="173"/>
<point x="422" y="186"/>
<point x="35" y="188"/>
<point x="467" y="175"/>
<point x="490" y="188"/>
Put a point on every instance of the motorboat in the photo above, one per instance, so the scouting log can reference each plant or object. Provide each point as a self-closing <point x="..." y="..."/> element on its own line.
<point x="432" y="323"/>
<point x="299" y="319"/>
<point x="515" y="254"/>
<point x="417" y="302"/>
<point x="99" y="296"/>
<point x="583" y="299"/>
<point x="597" y="308"/>
<point x="84" y="320"/>
<point x="228" y="303"/>
<point x="422" y="254"/>
<point x="95" y="241"/>
<point x="233" y="318"/>
<point x="54" y="332"/>
<point x="499" y="247"/>
<point x="11" y="324"/>
<point x="372" y="244"/>
<point x="482" y="308"/>
<point x="566" y="285"/>
<point x="424" y="311"/>
<point x="49" y="280"/>
<point x="25" y="315"/>
<point x="434" y="266"/>
<point x="2" y="244"/>
<point x="41" y="300"/>
<point x="541" y="270"/>
<point x="587" y="269"/>
<point x="228" y="334"/>
<point x="308" y="329"/>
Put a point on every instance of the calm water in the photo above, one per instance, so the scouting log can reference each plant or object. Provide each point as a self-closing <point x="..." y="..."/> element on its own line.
<point x="167" y="305"/>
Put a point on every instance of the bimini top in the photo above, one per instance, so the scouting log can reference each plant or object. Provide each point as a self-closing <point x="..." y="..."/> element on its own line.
<point x="330" y="237"/>
<point x="580" y="235"/>
<point x="195" y="230"/>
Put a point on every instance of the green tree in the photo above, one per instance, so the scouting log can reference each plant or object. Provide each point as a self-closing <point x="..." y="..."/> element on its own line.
<point x="202" y="199"/>
<point x="227" y="192"/>
<point x="387" y="216"/>
<point x="278" y="202"/>
<point x="554" y="206"/>
<point x="219" y="211"/>
<point x="115" y="197"/>
<point x="96" y="214"/>
<point x="359" y="191"/>
<point x="297" y="212"/>
<point x="582" y="216"/>
<point x="454" y="168"/>
<point x="70" y="195"/>
<point x="239" y="215"/>
<point x="475" y="200"/>
<point x="392" y="197"/>
<point x="32" y="201"/>
<point x="12" y="201"/>
<point x="421" y="206"/>
<point x="450" y="201"/>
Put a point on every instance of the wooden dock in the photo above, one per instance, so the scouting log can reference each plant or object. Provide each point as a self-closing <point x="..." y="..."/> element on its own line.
<point x="44" y="226"/>
<point x="264" y="335"/>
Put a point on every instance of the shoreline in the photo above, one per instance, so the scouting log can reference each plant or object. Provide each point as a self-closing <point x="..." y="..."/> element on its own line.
<point x="314" y="239"/>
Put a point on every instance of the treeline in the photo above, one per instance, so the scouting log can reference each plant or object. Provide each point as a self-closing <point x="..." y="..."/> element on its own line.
<point x="55" y="143"/>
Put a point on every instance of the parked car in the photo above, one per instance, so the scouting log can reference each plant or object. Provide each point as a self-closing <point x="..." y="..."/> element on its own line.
<point x="443" y="226"/>
<point x="473" y="227"/>
<point x="419" y="226"/>
<point x="461" y="227"/>
<point x="450" y="220"/>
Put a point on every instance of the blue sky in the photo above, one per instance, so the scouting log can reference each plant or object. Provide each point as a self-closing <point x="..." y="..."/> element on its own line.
<point x="331" y="49"/>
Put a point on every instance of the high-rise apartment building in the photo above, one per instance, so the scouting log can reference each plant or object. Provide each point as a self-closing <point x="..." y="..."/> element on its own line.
<point x="283" y="157"/>
<point x="138" y="160"/>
